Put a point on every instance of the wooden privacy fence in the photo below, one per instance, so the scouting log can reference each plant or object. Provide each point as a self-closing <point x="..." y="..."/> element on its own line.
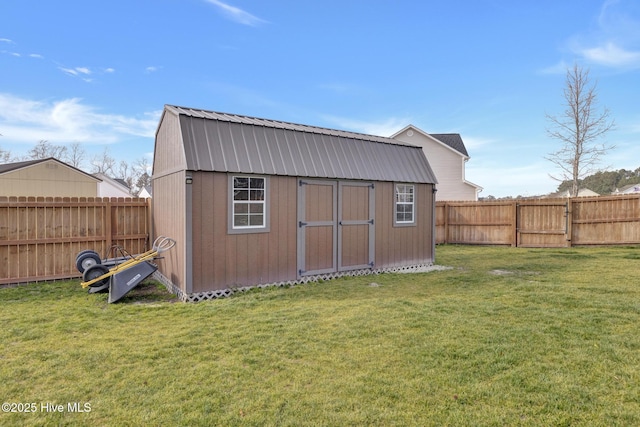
<point x="41" y="236"/>
<point x="606" y="220"/>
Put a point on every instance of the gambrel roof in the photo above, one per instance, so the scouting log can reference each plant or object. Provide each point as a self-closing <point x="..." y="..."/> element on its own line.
<point x="224" y="142"/>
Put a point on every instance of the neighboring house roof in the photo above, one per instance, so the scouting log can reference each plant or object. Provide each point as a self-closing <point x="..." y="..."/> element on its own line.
<point x="146" y="191"/>
<point x="583" y="192"/>
<point x="122" y="182"/>
<point x="10" y="167"/>
<point x="232" y="143"/>
<point x="628" y="189"/>
<point x="119" y="187"/>
<point x="453" y="140"/>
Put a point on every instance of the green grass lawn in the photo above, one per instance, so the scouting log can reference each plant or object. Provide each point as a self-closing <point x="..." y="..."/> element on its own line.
<point x="524" y="337"/>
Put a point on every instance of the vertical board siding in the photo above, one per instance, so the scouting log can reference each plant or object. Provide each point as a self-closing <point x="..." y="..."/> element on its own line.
<point x="318" y="248"/>
<point x="169" y="198"/>
<point x="402" y="246"/>
<point x="222" y="260"/>
<point x="355" y="245"/>
<point x="169" y="201"/>
<point x="604" y="220"/>
<point x="41" y="236"/>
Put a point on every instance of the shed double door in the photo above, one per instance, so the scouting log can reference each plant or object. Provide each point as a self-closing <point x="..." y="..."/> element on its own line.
<point x="335" y="226"/>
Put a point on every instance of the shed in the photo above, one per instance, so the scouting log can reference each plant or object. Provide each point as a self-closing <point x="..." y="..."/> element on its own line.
<point x="256" y="202"/>
<point x="45" y="178"/>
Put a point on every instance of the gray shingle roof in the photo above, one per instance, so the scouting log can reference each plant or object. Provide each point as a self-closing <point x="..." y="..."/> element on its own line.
<point x="453" y="140"/>
<point x="233" y="143"/>
<point x="8" y="167"/>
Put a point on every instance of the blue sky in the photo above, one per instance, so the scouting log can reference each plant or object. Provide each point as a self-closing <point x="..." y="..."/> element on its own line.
<point x="99" y="73"/>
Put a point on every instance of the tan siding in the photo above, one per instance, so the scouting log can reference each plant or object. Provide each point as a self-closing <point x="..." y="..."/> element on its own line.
<point x="223" y="260"/>
<point x="169" y="151"/>
<point x="48" y="179"/>
<point x="169" y="220"/>
<point x="169" y="198"/>
<point x="401" y="246"/>
<point x="355" y="203"/>
<point x="355" y="245"/>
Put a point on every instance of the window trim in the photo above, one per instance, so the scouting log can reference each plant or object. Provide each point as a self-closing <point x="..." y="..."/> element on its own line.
<point x="413" y="221"/>
<point x="231" y="204"/>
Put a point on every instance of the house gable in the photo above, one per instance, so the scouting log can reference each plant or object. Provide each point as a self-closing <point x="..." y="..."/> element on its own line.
<point x="447" y="155"/>
<point x="44" y="178"/>
<point x="110" y="187"/>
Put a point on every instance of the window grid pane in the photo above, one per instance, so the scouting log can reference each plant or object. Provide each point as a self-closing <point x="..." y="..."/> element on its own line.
<point x="404" y="203"/>
<point x="248" y="202"/>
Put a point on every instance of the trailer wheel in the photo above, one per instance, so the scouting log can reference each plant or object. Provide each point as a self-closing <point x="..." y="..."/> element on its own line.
<point x="86" y="259"/>
<point x="95" y="271"/>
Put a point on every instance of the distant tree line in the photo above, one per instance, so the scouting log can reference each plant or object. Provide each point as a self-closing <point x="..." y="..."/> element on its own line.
<point x="135" y="174"/>
<point x="605" y="182"/>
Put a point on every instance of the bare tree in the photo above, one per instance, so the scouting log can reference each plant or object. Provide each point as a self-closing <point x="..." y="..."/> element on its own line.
<point x="44" y="149"/>
<point x="75" y="155"/>
<point x="144" y="174"/>
<point x="103" y="163"/>
<point x="578" y="129"/>
<point x="5" y="156"/>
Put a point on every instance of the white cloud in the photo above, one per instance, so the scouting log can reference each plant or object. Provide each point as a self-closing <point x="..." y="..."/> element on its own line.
<point x="36" y="55"/>
<point x="386" y="127"/>
<point x="109" y="70"/>
<point x="612" y="55"/>
<point x="80" y="72"/>
<point x="152" y="69"/>
<point x="615" y="41"/>
<point x="235" y="14"/>
<point x="67" y="121"/>
<point x="70" y="71"/>
<point x="7" y="41"/>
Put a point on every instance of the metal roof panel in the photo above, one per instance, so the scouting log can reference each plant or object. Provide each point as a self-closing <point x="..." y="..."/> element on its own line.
<point x="231" y="143"/>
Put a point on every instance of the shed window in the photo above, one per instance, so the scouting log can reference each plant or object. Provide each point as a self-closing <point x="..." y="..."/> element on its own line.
<point x="249" y="207"/>
<point x="404" y="204"/>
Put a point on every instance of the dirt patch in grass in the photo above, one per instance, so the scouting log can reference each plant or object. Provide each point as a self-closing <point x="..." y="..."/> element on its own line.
<point x="149" y="292"/>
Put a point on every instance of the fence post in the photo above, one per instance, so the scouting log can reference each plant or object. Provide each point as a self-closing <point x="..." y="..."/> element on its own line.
<point x="569" y="213"/>
<point x="107" y="220"/>
<point x="446" y="222"/>
<point x="514" y="220"/>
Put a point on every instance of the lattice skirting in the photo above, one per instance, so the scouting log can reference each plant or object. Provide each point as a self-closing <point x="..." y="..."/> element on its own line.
<point x="203" y="296"/>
